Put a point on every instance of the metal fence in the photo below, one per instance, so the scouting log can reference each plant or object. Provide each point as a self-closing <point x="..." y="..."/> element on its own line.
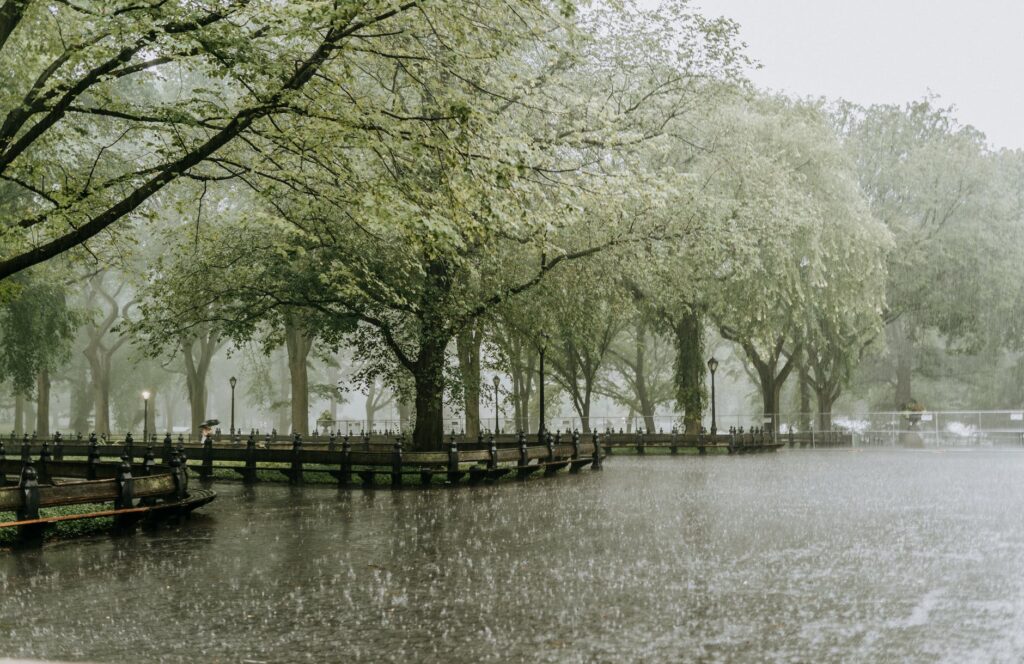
<point x="932" y="429"/>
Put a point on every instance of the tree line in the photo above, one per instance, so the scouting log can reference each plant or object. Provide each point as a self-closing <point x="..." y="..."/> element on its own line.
<point x="429" y="187"/>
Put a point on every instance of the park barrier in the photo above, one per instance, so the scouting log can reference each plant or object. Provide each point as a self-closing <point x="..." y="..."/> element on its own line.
<point x="45" y="477"/>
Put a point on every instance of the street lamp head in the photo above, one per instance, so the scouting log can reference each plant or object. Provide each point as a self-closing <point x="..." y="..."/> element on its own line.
<point x="145" y="395"/>
<point x="712" y="364"/>
<point x="544" y="337"/>
<point x="233" y="381"/>
<point x="497" y="382"/>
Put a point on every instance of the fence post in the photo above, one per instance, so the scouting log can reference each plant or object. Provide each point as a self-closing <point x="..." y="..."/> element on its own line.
<point x="28" y="488"/>
<point x="701" y="449"/>
<point x="250" y="459"/>
<point x="396" y="463"/>
<point x="295" y="477"/>
<point x="596" y="465"/>
<point x="640" y="442"/>
<point x="454" y="475"/>
<point x="674" y="443"/>
<point x="551" y="446"/>
<point x="149" y="461"/>
<point x="524" y="457"/>
<point x="206" y="470"/>
<point x="129" y="446"/>
<point x="345" y="476"/>
<point x="44" y="460"/>
<point x="125" y="485"/>
<point x="575" y="444"/>
<point x="180" y="475"/>
<point x="3" y="457"/>
<point x="92" y="458"/>
<point x="58" y="447"/>
<point x="167" y="449"/>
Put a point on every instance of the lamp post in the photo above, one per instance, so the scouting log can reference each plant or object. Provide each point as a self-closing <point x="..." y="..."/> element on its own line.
<point x="543" y="347"/>
<point x="713" y="365"/>
<point x="497" y="382"/>
<point x="145" y="416"/>
<point x="233" y="381"/>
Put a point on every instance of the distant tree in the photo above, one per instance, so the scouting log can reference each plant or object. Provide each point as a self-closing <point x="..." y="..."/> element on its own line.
<point x="37" y="328"/>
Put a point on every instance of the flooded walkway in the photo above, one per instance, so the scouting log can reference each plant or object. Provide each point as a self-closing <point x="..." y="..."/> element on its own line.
<point x="797" y="556"/>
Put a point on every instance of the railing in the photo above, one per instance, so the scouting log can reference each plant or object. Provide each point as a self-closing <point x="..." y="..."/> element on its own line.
<point x="136" y="490"/>
<point x="340" y="457"/>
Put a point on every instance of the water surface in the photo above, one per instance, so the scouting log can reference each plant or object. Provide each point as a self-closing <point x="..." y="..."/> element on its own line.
<point x="796" y="556"/>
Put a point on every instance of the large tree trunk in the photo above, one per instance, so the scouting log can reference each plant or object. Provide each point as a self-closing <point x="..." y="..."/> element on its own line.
<point x="428" y="374"/>
<point x="643" y="394"/>
<point x="43" y="400"/>
<point x="903" y="348"/>
<point x="522" y="386"/>
<point x="691" y="394"/>
<point x="99" y="367"/>
<point x="467" y="345"/>
<point x="101" y="395"/>
<point x="771" y="391"/>
<point x="805" y="398"/>
<point x="80" y="400"/>
<point x="197" y="401"/>
<point x="198" y="353"/>
<point x="826" y="399"/>
<point x="283" y="409"/>
<point x="299" y="344"/>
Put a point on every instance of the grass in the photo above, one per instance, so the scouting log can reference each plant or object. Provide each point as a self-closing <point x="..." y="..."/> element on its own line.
<point x="64" y="529"/>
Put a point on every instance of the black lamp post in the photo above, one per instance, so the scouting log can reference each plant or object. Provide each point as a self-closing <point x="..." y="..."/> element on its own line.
<point x="497" y="382"/>
<point x="713" y="365"/>
<point x="233" y="381"/>
<point x="543" y="347"/>
<point x="145" y="416"/>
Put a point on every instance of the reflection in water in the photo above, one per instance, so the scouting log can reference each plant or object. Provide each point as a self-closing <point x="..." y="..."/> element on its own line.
<point x="796" y="556"/>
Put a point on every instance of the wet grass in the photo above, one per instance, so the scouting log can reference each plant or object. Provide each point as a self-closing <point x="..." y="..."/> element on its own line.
<point x="64" y="529"/>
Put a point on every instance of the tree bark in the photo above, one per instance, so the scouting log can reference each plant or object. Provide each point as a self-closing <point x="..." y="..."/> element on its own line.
<point x="826" y="399"/>
<point x="43" y="401"/>
<point x="298" y="343"/>
<point x="903" y="348"/>
<point x="80" y="400"/>
<point x="198" y="353"/>
<point x="467" y="345"/>
<point x="428" y="374"/>
<point x="805" y="397"/>
<point x="283" y="406"/>
<point x="643" y="393"/>
<point x="691" y="394"/>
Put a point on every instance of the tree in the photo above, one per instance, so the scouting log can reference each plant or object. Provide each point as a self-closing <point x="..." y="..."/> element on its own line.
<point x="96" y="71"/>
<point x="641" y="363"/>
<point x="104" y="343"/>
<point x="37" y="327"/>
<point x="931" y="182"/>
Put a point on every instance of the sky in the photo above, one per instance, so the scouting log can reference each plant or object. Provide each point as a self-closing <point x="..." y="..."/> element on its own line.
<point x="969" y="54"/>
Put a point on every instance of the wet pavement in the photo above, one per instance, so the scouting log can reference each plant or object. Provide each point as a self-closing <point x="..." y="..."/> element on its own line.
<point x="797" y="556"/>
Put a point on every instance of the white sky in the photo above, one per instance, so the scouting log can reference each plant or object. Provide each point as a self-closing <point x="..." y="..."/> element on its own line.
<point x="969" y="53"/>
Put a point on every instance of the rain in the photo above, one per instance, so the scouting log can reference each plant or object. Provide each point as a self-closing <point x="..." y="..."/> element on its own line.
<point x="547" y="331"/>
